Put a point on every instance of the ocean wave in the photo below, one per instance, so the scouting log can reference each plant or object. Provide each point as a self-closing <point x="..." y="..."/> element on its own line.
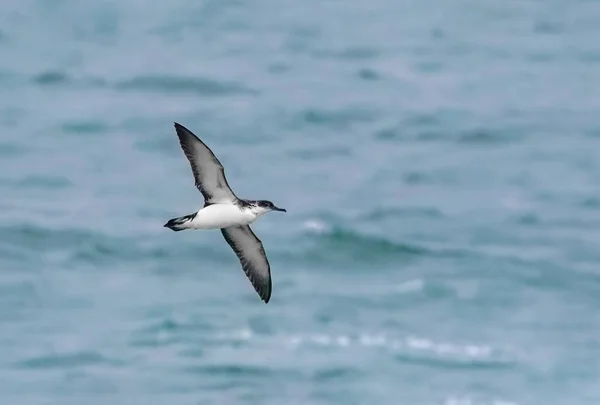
<point x="86" y="127"/>
<point x="51" y="77"/>
<point x="11" y="150"/>
<point x="232" y="370"/>
<point x="351" y="53"/>
<point x="442" y="127"/>
<point x="475" y="137"/>
<point x="180" y="84"/>
<point x="164" y="330"/>
<point x="334" y="243"/>
<point x="408" y="349"/>
<point x="488" y="136"/>
<point x="412" y="212"/>
<point x="63" y="360"/>
<point x="57" y="78"/>
<point x="148" y="83"/>
<point x="416" y="285"/>
<point x="468" y="400"/>
<point x="412" y="349"/>
<point x="316" y="225"/>
<point x="74" y="246"/>
<point x="321" y="153"/>
<point x="329" y="242"/>
<point x="336" y="118"/>
<point x="592" y="203"/>
<point x="42" y="181"/>
<point x="345" y="238"/>
<point x="368" y="74"/>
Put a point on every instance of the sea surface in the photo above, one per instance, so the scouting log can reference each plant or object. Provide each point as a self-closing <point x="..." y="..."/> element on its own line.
<point x="439" y="162"/>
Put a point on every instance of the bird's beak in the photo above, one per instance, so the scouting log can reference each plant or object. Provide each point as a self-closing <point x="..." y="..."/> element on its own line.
<point x="279" y="209"/>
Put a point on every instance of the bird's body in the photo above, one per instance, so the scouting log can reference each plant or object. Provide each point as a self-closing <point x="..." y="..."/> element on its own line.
<point x="222" y="216"/>
<point x="217" y="216"/>
<point x="225" y="211"/>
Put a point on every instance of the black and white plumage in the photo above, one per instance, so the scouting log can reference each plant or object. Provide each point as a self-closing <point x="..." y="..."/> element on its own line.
<point x="249" y="249"/>
<point x="208" y="171"/>
<point x="224" y="210"/>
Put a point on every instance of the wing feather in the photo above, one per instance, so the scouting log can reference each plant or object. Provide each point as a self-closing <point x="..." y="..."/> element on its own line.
<point x="249" y="250"/>
<point x="209" y="175"/>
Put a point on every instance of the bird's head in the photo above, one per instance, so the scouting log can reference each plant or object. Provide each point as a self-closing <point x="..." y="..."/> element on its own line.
<point x="265" y="206"/>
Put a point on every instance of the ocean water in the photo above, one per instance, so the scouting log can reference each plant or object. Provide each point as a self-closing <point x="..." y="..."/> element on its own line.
<point x="439" y="162"/>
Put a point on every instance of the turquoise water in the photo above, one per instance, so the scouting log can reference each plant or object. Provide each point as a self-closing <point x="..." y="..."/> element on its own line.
<point x="438" y="161"/>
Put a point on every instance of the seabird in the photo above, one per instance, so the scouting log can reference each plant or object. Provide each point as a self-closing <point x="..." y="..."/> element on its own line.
<point x="225" y="211"/>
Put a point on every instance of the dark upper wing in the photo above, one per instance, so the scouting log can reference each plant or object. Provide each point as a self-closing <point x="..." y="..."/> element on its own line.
<point x="208" y="172"/>
<point x="249" y="249"/>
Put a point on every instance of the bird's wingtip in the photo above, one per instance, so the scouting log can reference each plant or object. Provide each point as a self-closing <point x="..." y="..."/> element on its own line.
<point x="180" y="128"/>
<point x="265" y="296"/>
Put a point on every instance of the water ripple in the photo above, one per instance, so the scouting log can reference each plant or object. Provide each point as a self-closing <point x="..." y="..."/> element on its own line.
<point x="409" y="349"/>
<point x="340" y="118"/>
<point x="51" y="78"/>
<point x="85" y="127"/>
<point x="63" y="360"/>
<point x="74" y="245"/>
<point x="345" y="245"/>
<point x="179" y="84"/>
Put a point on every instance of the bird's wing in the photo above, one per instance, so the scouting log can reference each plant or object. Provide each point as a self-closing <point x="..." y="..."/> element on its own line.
<point x="209" y="175"/>
<point x="249" y="249"/>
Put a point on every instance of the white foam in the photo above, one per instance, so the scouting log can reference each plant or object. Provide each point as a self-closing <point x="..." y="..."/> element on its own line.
<point x="315" y="225"/>
<point x="239" y="335"/>
<point x="472" y="351"/>
<point x="343" y="341"/>
<point x="469" y="401"/>
<point x="372" y="340"/>
<point x="411" y="286"/>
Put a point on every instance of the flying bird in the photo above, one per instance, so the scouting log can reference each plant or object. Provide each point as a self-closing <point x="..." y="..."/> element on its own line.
<point x="225" y="211"/>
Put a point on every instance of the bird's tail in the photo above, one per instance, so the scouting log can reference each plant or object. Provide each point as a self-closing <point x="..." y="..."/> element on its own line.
<point x="181" y="223"/>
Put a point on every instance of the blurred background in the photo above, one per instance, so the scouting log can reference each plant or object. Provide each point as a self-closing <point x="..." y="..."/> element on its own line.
<point x="438" y="161"/>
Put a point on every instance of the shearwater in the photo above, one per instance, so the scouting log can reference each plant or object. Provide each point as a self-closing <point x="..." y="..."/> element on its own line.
<point x="225" y="211"/>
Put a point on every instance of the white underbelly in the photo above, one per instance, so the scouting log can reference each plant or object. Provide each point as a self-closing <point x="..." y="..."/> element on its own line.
<point x="221" y="216"/>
